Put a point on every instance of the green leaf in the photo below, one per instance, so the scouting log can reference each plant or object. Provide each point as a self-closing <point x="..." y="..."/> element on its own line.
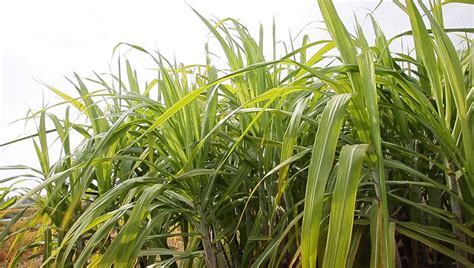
<point x="343" y="205"/>
<point x="320" y="166"/>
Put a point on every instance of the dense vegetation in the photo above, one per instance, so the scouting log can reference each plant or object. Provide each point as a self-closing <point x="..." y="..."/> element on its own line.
<point x="311" y="160"/>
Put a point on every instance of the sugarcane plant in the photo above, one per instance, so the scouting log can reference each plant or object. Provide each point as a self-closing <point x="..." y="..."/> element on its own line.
<point x="340" y="153"/>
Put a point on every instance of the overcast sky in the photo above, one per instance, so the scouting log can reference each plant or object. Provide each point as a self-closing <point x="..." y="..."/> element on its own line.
<point x="45" y="40"/>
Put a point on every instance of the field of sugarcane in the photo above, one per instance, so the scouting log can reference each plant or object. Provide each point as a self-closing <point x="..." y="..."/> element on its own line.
<point x="338" y="153"/>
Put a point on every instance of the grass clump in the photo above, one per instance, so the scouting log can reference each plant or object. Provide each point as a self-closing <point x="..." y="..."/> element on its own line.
<point x="269" y="163"/>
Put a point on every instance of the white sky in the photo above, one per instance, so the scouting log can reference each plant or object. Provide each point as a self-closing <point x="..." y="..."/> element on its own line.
<point x="45" y="40"/>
